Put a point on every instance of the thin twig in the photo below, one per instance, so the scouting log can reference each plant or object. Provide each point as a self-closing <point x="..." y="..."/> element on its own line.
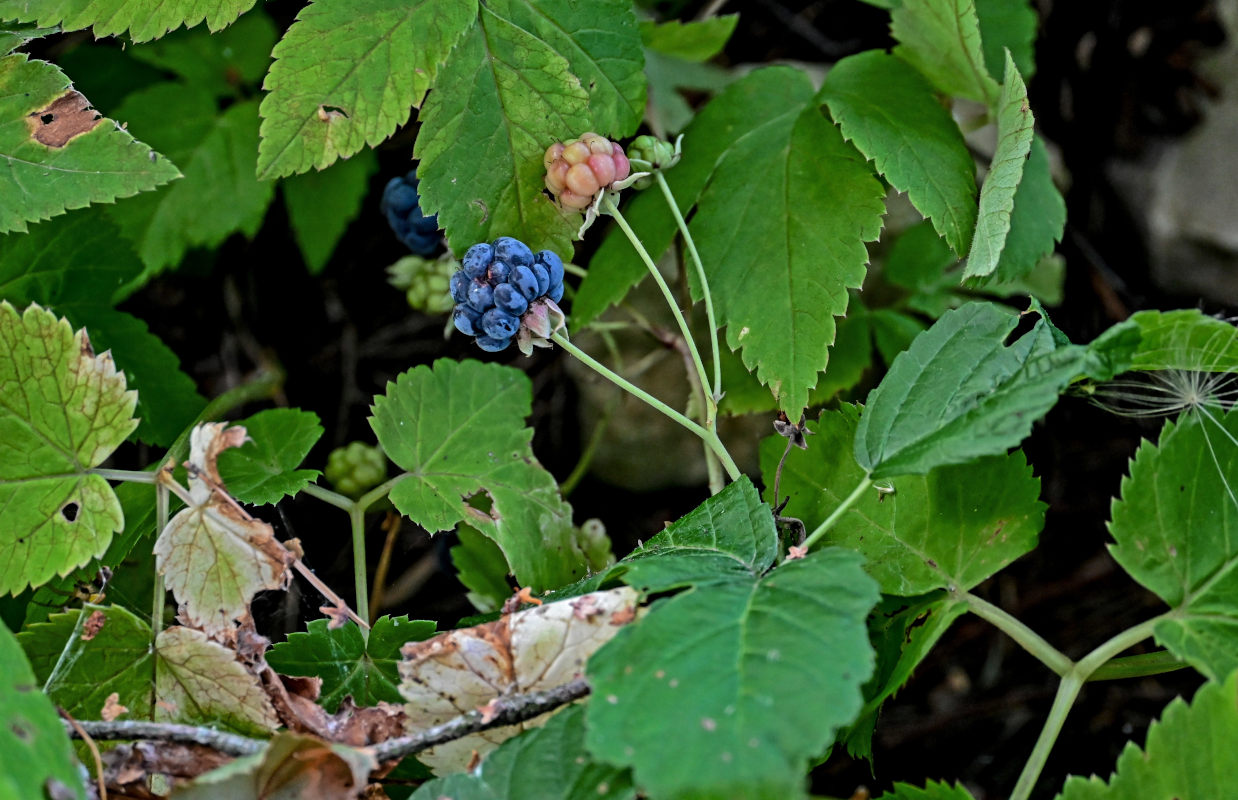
<point x="94" y="752"/>
<point x="502" y="712"/>
<point x="227" y="743"/>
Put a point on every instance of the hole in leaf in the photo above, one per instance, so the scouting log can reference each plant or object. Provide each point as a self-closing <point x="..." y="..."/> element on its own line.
<point x="20" y="731"/>
<point x="48" y="119"/>
<point x="69" y="511"/>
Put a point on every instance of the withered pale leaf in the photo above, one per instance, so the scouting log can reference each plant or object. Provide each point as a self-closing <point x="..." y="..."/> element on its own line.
<point x="198" y="679"/>
<point x="214" y="556"/>
<point x="291" y="766"/>
<point x="529" y="651"/>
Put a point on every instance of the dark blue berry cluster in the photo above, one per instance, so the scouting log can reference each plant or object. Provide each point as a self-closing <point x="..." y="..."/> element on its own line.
<point x="403" y="209"/>
<point x="496" y="285"/>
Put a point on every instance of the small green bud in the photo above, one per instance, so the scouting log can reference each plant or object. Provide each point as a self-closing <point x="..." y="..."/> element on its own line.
<point x="356" y="468"/>
<point x="652" y="154"/>
<point x="592" y="540"/>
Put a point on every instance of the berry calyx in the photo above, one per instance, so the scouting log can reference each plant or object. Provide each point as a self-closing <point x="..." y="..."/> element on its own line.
<point x="651" y="154"/>
<point x="402" y="206"/>
<point x="503" y="291"/>
<point x="578" y="169"/>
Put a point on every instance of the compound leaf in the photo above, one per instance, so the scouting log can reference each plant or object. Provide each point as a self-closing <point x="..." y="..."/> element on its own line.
<point x="322" y="204"/>
<point x="514" y="84"/>
<point x="959" y="393"/>
<point x="63" y="410"/>
<point x="760" y="673"/>
<point x="547" y="763"/>
<point x="219" y="195"/>
<point x="952" y="527"/>
<point x="528" y="651"/>
<point x="795" y="186"/>
<point x="1175" y="531"/>
<point x="348" y="663"/>
<point x="141" y="19"/>
<point x="75" y="264"/>
<point x="348" y="73"/>
<point x="888" y="111"/>
<point x="264" y="469"/>
<point x="941" y="38"/>
<point x="58" y="152"/>
<point x="744" y="106"/>
<point x="730" y="535"/>
<point x="31" y="734"/>
<point x="458" y="429"/>
<point x="997" y="196"/>
<point x="1180" y="757"/>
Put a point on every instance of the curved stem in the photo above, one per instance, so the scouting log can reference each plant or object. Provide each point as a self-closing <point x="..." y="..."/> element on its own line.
<point x="613" y="210"/>
<point x="700" y="276"/>
<point x="837" y="513"/>
<point x="1026" y="638"/>
<point x="327" y="496"/>
<point x="1067" y="692"/>
<point x="708" y="436"/>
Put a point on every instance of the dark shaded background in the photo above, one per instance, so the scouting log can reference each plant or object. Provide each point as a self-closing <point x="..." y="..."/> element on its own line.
<point x="974" y="708"/>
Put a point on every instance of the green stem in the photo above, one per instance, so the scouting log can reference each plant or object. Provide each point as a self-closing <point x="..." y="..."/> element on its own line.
<point x="133" y="475"/>
<point x="360" y="578"/>
<point x="159" y="594"/>
<point x="1067" y="692"/>
<point x="613" y="210"/>
<point x="1139" y="666"/>
<point x="837" y="513"/>
<point x="708" y="436"/>
<point x="327" y="496"/>
<point x="572" y="269"/>
<point x="700" y="276"/>
<point x="1026" y="638"/>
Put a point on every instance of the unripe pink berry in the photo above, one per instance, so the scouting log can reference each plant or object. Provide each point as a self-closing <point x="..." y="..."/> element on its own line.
<point x="576" y="153"/>
<point x="556" y="176"/>
<point x="581" y="180"/>
<point x="577" y="170"/>
<point x="603" y="168"/>
<point x="622" y="168"/>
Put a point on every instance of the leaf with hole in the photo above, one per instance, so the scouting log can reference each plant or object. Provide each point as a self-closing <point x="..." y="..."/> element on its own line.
<point x="63" y="410"/>
<point x="59" y="153"/>
<point x="458" y="429"/>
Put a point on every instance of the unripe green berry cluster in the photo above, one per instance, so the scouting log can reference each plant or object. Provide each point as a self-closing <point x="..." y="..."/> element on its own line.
<point x="356" y="468"/>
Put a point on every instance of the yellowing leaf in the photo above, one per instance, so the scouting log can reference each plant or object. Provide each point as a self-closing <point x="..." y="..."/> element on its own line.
<point x="198" y="679"/>
<point x="529" y="651"/>
<point x="213" y="556"/>
<point x="63" y="410"/>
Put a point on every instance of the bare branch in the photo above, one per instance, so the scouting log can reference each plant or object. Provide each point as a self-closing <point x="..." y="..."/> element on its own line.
<point x="228" y="743"/>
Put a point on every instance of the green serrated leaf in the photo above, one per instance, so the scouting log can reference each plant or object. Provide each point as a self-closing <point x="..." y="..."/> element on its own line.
<point x="699" y="40"/>
<point x="731" y="535"/>
<point x="795" y="186"/>
<point x="903" y="631"/>
<point x="514" y="84"/>
<point x="888" y="111"/>
<point x="59" y="152"/>
<point x="1185" y="339"/>
<point x="106" y="73"/>
<point x="748" y="104"/>
<point x="140" y="19"/>
<point x="760" y="674"/>
<point x="38" y="757"/>
<point x="63" y="410"/>
<point x="1175" y="531"/>
<point x="458" y="429"/>
<point x="15" y="35"/>
<point x="219" y="195"/>
<point x="264" y="469"/>
<point x="546" y="763"/>
<point x="1008" y="25"/>
<point x="482" y="568"/>
<point x="74" y="264"/>
<point x="933" y="790"/>
<point x="959" y="393"/>
<point x="941" y="38"/>
<point x="1181" y="758"/>
<point x="219" y="62"/>
<point x="893" y="332"/>
<point x="347" y="74"/>
<point x="997" y="196"/>
<point x="1037" y="221"/>
<point x="83" y="656"/>
<point x="950" y="528"/>
<point x="348" y="663"/>
<point x="321" y="205"/>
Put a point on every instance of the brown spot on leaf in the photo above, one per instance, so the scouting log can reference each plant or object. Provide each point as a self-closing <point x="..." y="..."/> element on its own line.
<point x="92" y="625"/>
<point x="68" y="116"/>
<point x="331" y="113"/>
<point x="112" y="708"/>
